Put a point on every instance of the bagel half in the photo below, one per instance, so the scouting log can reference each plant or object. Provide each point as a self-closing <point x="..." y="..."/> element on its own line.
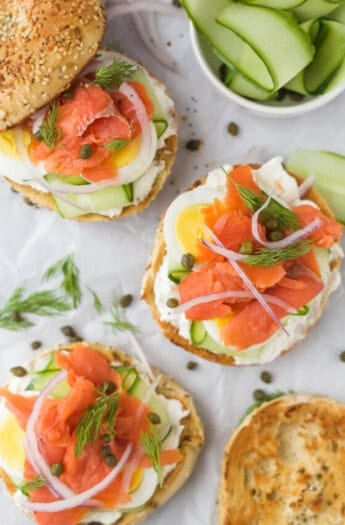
<point x="190" y="443"/>
<point x="285" y="465"/>
<point x="171" y="332"/>
<point x="44" y="45"/>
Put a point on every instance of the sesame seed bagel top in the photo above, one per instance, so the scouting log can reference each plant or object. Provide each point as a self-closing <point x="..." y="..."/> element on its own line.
<point x="44" y="44"/>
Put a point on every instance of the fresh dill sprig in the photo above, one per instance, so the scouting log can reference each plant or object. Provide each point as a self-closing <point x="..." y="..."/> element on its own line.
<point x="97" y="303"/>
<point x="153" y="447"/>
<point x="102" y="412"/>
<point x="26" y="487"/>
<point x="117" y="323"/>
<point x="269" y="257"/>
<point x="112" y="76"/>
<point x="116" y="145"/>
<point x="287" y="219"/>
<point x="268" y="397"/>
<point x="70" y="282"/>
<point x="47" y="130"/>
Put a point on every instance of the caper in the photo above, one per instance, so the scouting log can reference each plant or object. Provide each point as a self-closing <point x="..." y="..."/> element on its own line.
<point x="233" y="129"/>
<point x="35" y="345"/>
<point x="125" y="300"/>
<point x="192" y="365"/>
<point x="193" y="144"/>
<point x="154" y="418"/>
<point x="275" y="235"/>
<point x="172" y="302"/>
<point x="68" y="331"/>
<point x="38" y="135"/>
<point x="271" y="223"/>
<point x="16" y="317"/>
<point x="266" y="377"/>
<point x="106" y="438"/>
<point x="57" y="469"/>
<point x="18" y="371"/>
<point x="246" y="247"/>
<point x="28" y="201"/>
<point x="85" y="151"/>
<point x="106" y="450"/>
<point x="259" y="395"/>
<point x="187" y="261"/>
<point x="342" y="356"/>
<point x="108" y="387"/>
<point x="110" y="460"/>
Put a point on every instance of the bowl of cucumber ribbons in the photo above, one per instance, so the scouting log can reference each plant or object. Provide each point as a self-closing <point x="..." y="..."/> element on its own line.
<point x="276" y="58"/>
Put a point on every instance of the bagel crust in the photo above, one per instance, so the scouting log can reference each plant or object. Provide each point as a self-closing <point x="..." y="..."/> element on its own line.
<point x="43" y="46"/>
<point x="156" y="260"/>
<point x="191" y="439"/>
<point x="285" y="465"/>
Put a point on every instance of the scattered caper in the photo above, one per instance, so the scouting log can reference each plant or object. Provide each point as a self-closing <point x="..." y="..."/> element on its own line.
<point x="68" y="331"/>
<point x="125" y="300"/>
<point x="35" y="345"/>
<point x="106" y="450"/>
<point x="172" y="302"/>
<point x="106" y="438"/>
<point x="85" y="151"/>
<point x="266" y="377"/>
<point x="16" y="317"/>
<point x="108" y="387"/>
<point x="154" y="418"/>
<point x="259" y="395"/>
<point x="110" y="460"/>
<point x="271" y="223"/>
<point x="246" y="247"/>
<point x="193" y="144"/>
<point x="187" y="261"/>
<point x="18" y="371"/>
<point x="233" y="129"/>
<point x="275" y="235"/>
<point x="28" y="201"/>
<point x="342" y="356"/>
<point x="57" y="469"/>
<point x="192" y="365"/>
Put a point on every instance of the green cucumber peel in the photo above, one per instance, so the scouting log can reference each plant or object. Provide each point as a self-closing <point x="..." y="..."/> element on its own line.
<point x="275" y="4"/>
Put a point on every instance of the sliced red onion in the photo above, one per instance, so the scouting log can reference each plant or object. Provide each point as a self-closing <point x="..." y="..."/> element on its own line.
<point x="248" y="283"/>
<point x="290" y="239"/>
<point x="223" y="251"/>
<point x="123" y="8"/>
<point x="79" y="499"/>
<point x="306" y="185"/>
<point x="38" y="117"/>
<point x="239" y="294"/>
<point x="133" y="464"/>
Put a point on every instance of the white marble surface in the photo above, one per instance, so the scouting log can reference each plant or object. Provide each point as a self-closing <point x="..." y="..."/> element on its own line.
<point x="112" y="258"/>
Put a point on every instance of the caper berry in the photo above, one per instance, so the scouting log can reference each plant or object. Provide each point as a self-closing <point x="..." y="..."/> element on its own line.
<point x="57" y="469"/>
<point x="342" y="356"/>
<point x="233" y="129"/>
<point x="125" y="300"/>
<point x="154" y="418"/>
<point x="85" y="151"/>
<point x="68" y="331"/>
<point x="275" y="235"/>
<point x="172" y="302"/>
<point x="266" y="377"/>
<point x="108" y="387"/>
<point x="106" y="438"/>
<point x="259" y="395"/>
<point x="18" y="371"/>
<point x="246" y="247"/>
<point x="35" y="345"/>
<point x="271" y="223"/>
<point x="187" y="261"/>
<point x="110" y="460"/>
<point x="106" y="450"/>
<point x="192" y="365"/>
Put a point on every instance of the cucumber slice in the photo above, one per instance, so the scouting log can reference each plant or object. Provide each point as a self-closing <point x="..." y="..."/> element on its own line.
<point x="129" y="191"/>
<point x="106" y="199"/>
<point x="139" y="390"/>
<point x="241" y="85"/>
<point x="272" y="35"/>
<point x="129" y="376"/>
<point x="75" y="180"/>
<point x="176" y="272"/>
<point x="161" y="125"/>
<point x="276" y="4"/>
<point x="201" y="338"/>
<point x="328" y="169"/>
<point x="159" y="118"/>
<point x="315" y="9"/>
<point x="232" y="49"/>
<point x="41" y="379"/>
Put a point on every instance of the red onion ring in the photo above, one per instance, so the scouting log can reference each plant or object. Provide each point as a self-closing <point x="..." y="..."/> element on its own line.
<point x="202" y="299"/>
<point x="306" y="185"/>
<point x="290" y="239"/>
<point x="223" y="251"/>
<point x="257" y="295"/>
<point x="78" y="500"/>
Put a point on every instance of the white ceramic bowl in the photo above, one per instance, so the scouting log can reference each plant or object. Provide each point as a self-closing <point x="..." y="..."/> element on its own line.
<point x="272" y="109"/>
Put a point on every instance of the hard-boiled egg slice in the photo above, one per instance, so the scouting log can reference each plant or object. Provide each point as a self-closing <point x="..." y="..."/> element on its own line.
<point x="12" y="455"/>
<point x="183" y="223"/>
<point x="214" y="326"/>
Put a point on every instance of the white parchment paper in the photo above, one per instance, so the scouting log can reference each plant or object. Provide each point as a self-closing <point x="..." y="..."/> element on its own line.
<point x="112" y="258"/>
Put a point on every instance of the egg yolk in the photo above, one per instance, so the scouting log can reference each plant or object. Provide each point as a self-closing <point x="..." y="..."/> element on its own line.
<point x="189" y="227"/>
<point x="136" y="479"/>
<point x="125" y="155"/>
<point x="11" y="443"/>
<point x="8" y="144"/>
<point x="223" y="321"/>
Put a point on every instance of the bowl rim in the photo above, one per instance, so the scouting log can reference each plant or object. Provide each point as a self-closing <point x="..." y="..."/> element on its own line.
<point x="287" y="111"/>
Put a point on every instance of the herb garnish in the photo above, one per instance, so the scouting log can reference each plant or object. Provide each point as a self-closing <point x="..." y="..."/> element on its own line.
<point x="116" y="145"/>
<point x="102" y="412"/>
<point x="97" y="303"/>
<point x="269" y="257"/>
<point x="26" y="487"/>
<point x="111" y="76"/>
<point x="47" y="130"/>
<point x="153" y="447"/>
<point x="117" y="323"/>
<point x="70" y="282"/>
<point x="257" y="404"/>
